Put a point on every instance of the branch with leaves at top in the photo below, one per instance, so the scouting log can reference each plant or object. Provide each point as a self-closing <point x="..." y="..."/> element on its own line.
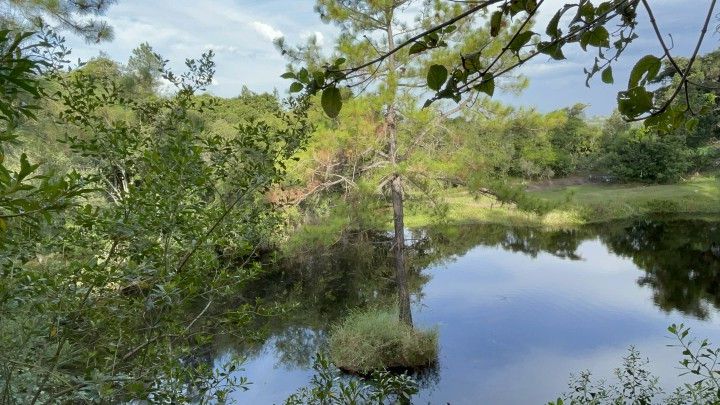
<point x="584" y="22"/>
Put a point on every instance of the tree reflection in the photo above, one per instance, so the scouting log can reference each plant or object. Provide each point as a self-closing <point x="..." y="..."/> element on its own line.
<point x="680" y="260"/>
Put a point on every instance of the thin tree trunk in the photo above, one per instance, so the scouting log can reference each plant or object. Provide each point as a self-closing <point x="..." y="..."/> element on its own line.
<point x="400" y="271"/>
<point x="396" y="188"/>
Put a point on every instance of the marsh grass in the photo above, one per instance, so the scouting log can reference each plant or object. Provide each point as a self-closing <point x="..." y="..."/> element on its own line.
<point x="376" y="340"/>
<point x="583" y="204"/>
<point x="573" y="206"/>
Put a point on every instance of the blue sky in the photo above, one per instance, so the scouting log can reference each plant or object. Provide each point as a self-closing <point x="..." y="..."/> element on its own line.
<point x="241" y="33"/>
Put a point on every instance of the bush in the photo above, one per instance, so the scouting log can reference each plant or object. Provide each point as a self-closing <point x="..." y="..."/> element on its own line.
<point x="648" y="158"/>
<point x="376" y="340"/>
<point x="636" y="385"/>
<point x="328" y="387"/>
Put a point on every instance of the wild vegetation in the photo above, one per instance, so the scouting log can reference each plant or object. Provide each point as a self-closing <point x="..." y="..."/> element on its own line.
<point x="374" y="340"/>
<point x="136" y="209"/>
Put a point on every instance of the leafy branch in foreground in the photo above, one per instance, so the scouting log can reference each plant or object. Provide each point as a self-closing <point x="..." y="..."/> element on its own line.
<point x="26" y="192"/>
<point x="636" y="384"/>
<point x="112" y="301"/>
<point x="329" y="387"/>
<point x="604" y="27"/>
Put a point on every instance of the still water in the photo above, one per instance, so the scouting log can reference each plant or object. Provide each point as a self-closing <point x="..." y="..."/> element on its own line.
<point x="518" y="309"/>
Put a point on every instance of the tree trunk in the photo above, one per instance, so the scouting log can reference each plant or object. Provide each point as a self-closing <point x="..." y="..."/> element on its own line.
<point x="396" y="185"/>
<point x="400" y="271"/>
<point x="396" y="189"/>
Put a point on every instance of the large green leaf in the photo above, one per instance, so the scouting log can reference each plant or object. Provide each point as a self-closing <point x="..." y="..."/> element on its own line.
<point x="295" y="87"/>
<point x="553" y="49"/>
<point x="598" y="37"/>
<point x="521" y="40"/>
<point x="496" y="23"/>
<point x="437" y="74"/>
<point x="331" y="101"/>
<point x="645" y="70"/>
<point x="607" y="75"/>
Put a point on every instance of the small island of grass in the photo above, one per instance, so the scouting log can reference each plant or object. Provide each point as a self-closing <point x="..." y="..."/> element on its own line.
<point x="375" y="339"/>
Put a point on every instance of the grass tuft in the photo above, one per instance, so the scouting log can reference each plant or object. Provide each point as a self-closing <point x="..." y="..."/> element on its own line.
<point x="375" y="340"/>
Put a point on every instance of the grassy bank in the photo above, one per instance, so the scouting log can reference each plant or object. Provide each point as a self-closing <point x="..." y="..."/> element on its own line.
<point x="573" y="205"/>
<point x="582" y="204"/>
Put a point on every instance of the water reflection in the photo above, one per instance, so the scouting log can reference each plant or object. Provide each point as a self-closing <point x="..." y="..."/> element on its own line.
<point x="681" y="260"/>
<point x="509" y="302"/>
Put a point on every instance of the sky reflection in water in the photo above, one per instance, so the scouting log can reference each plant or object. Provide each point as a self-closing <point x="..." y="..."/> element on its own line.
<point x="514" y="325"/>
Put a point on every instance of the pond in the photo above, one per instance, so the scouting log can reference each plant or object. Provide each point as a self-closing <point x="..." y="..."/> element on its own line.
<point x="518" y="309"/>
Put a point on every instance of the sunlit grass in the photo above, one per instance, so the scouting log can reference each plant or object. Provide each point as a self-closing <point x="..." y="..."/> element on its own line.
<point x="572" y="206"/>
<point x="375" y="339"/>
<point x="697" y="195"/>
<point x="577" y="205"/>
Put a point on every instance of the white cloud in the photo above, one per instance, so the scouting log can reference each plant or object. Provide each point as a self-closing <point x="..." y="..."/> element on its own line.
<point x="266" y="30"/>
<point x="241" y="33"/>
<point x="320" y="38"/>
<point x="222" y="48"/>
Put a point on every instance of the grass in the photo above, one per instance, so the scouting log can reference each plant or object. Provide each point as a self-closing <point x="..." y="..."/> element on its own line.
<point x="578" y="205"/>
<point x="573" y="206"/>
<point x="464" y="208"/>
<point x="700" y="194"/>
<point x="375" y="340"/>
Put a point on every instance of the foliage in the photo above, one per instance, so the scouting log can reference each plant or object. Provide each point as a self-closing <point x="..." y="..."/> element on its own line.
<point x="77" y="16"/>
<point x="590" y="27"/>
<point x="108" y="299"/>
<point x="328" y="387"/>
<point x="576" y="142"/>
<point x="25" y="193"/>
<point x="375" y="340"/>
<point x="647" y="157"/>
<point x="636" y="385"/>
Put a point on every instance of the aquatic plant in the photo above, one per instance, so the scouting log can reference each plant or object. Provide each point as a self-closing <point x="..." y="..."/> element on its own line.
<point x="376" y="340"/>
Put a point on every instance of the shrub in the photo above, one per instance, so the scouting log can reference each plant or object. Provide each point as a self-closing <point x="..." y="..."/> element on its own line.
<point x="640" y="156"/>
<point x="636" y="385"/>
<point x="376" y="340"/>
<point x="328" y="387"/>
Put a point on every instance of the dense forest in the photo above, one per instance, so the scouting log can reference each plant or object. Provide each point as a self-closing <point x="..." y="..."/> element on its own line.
<point x="142" y="217"/>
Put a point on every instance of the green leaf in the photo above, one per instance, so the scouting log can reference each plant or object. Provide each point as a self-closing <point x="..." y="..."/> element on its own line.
<point x="417" y="47"/>
<point x="521" y="40"/>
<point x="587" y="11"/>
<point x="552" y="27"/>
<point x="607" y="75"/>
<point x="303" y="76"/>
<point x="645" y="70"/>
<point x="319" y="78"/>
<point x="437" y="74"/>
<point x="331" y="101"/>
<point x="487" y="85"/>
<point x="495" y="23"/>
<point x="553" y="49"/>
<point x="598" y="37"/>
<point x="603" y="8"/>
<point x="288" y="75"/>
<point x="25" y="168"/>
<point x="295" y="87"/>
<point x="635" y="102"/>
